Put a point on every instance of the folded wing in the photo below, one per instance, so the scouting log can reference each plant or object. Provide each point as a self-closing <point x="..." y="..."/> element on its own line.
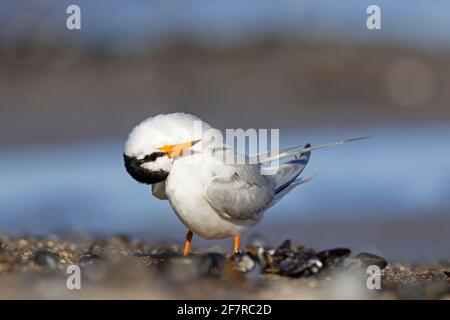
<point x="240" y="192"/>
<point x="284" y="174"/>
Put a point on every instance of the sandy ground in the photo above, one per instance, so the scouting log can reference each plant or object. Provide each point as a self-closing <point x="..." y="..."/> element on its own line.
<point x="119" y="267"/>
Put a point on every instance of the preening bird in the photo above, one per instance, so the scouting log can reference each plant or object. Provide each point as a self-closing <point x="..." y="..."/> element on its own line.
<point x="213" y="197"/>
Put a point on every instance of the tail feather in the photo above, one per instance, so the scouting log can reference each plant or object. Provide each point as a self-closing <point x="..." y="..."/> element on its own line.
<point x="292" y="187"/>
<point x="285" y="175"/>
<point x="295" y="152"/>
<point x="291" y="170"/>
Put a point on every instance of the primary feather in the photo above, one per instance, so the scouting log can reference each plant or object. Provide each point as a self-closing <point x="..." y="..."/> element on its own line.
<point x="286" y="173"/>
<point x="294" y="151"/>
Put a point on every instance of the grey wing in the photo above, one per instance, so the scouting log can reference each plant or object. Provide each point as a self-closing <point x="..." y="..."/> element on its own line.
<point x="286" y="173"/>
<point x="240" y="192"/>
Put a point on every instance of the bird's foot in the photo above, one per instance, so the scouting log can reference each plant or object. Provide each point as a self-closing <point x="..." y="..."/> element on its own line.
<point x="187" y="246"/>
<point x="237" y="242"/>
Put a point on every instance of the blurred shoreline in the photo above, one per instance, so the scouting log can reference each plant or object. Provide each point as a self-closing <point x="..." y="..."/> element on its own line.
<point x="55" y="95"/>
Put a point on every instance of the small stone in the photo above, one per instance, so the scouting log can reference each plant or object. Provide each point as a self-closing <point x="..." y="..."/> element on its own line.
<point x="296" y="268"/>
<point x="45" y="259"/>
<point x="96" y="249"/>
<point x="287" y="265"/>
<point x="313" y="266"/>
<point x="73" y="246"/>
<point x="252" y="250"/>
<point x="424" y="272"/>
<point x="284" y="250"/>
<point x="369" y="259"/>
<point x="22" y="243"/>
<point x="256" y="253"/>
<point x="333" y="257"/>
<point x="244" y="263"/>
<point x="88" y="259"/>
<point x="286" y="245"/>
<point x="261" y="254"/>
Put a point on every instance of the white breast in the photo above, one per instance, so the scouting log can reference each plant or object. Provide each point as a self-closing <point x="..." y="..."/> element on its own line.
<point x="185" y="187"/>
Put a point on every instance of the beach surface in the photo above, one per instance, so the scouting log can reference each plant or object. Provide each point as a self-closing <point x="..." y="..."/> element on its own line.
<point x="127" y="268"/>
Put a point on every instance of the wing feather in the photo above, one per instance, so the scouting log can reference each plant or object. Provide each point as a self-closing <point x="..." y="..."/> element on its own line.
<point x="284" y="174"/>
<point x="240" y="192"/>
<point x="297" y="152"/>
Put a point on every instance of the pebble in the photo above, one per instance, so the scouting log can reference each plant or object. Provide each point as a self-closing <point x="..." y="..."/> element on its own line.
<point x="424" y="272"/>
<point x="313" y="266"/>
<point x="96" y="249"/>
<point x="50" y="244"/>
<point x="333" y="257"/>
<point x="369" y="259"/>
<point x="292" y="267"/>
<point x="298" y="261"/>
<point x="22" y="243"/>
<point x="252" y="250"/>
<point x="88" y="259"/>
<point x="244" y="263"/>
<point x="286" y="245"/>
<point x="46" y="259"/>
<point x="259" y="254"/>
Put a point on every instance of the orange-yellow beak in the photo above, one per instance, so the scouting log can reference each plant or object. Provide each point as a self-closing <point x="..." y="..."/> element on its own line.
<point x="174" y="150"/>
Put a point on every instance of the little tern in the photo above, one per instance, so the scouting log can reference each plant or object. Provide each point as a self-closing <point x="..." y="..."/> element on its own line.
<point x="213" y="198"/>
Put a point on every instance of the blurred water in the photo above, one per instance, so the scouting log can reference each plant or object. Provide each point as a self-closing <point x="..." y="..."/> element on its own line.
<point x="402" y="170"/>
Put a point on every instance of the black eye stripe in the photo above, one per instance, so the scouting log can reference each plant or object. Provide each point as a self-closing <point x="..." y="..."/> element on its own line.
<point x="153" y="156"/>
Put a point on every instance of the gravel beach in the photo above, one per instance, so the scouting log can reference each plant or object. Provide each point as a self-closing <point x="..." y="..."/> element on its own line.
<point x="121" y="267"/>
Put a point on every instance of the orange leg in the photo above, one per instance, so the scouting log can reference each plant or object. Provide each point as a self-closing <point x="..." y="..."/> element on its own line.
<point x="187" y="246"/>
<point x="237" y="242"/>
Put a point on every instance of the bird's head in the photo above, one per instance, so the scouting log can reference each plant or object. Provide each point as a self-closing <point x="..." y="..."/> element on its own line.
<point x="153" y="145"/>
